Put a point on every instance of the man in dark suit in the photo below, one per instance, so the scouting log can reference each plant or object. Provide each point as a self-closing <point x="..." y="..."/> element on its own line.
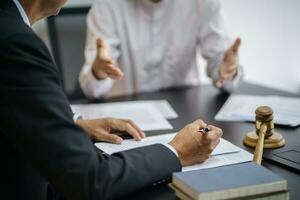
<point x="45" y="155"/>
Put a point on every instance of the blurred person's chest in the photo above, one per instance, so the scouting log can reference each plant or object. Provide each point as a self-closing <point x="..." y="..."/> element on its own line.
<point x="159" y="38"/>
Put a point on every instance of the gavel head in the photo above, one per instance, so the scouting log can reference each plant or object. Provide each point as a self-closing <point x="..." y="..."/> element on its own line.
<point x="264" y="115"/>
<point x="264" y="124"/>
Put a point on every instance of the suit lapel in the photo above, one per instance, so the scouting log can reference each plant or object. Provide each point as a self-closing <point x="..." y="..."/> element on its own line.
<point x="9" y="7"/>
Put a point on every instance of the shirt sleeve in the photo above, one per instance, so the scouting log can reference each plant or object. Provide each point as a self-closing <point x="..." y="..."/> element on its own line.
<point x="214" y="40"/>
<point x="76" y="117"/>
<point x="100" y="23"/>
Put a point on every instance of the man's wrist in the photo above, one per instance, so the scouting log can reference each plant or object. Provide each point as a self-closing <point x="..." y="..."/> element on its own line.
<point x="77" y="117"/>
<point x="95" y="73"/>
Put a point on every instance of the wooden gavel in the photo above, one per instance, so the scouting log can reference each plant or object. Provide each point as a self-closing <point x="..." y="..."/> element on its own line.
<point x="264" y="135"/>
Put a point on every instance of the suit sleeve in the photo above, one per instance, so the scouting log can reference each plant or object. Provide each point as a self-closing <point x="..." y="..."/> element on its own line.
<point x="37" y="120"/>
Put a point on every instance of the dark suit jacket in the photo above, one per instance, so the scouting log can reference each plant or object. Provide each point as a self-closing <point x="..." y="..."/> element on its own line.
<point x="40" y="147"/>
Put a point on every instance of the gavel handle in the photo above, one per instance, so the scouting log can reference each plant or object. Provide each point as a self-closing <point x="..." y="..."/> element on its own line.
<point x="260" y="144"/>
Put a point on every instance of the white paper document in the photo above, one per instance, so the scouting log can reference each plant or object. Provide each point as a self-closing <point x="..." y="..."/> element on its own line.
<point x="145" y="115"/>
<point x="223" y="148"/>
<point x="164" y="107"/>
<point x="242" y="108"/>
<point x="225" y="153"/>
<point x="222" y="160"/>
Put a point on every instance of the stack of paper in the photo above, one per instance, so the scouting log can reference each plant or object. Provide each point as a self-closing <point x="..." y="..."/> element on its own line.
<point x="225" y="153"/>
<point x="242" y="108"/>
<point x="148" y="115"/>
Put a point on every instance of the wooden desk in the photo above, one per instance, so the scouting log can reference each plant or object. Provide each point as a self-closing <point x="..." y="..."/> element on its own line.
<point x="204" y="102"/>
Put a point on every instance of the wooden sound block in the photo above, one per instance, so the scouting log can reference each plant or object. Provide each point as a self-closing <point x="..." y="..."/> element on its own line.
<point x="272" y="142"/>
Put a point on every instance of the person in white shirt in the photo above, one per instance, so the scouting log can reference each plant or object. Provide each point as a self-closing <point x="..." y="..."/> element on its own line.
<point x="145" y="45"/>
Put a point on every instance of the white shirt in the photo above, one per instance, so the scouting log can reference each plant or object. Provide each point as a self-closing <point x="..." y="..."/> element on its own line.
<point x="22" y="12"/>
<point x="155" y="44"/>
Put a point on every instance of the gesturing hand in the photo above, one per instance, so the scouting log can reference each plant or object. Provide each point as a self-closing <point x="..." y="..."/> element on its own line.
<point x="103" y="129"/>
<point x="194" y="147"/>
<point x="103" y="65"/>
<point x="229" y="66"/>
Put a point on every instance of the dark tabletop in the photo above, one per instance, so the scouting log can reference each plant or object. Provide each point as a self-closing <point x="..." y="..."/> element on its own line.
<point x="204" y="102"/>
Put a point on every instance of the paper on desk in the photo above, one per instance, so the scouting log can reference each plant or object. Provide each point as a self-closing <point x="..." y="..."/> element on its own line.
<point x="224" y="146"/>
<point x="146" y="116"/>
<point x="242" y="108"/>
<point x="222" y="160"/>
<point x="225" y="153"/>
<point x="163" y="106"/>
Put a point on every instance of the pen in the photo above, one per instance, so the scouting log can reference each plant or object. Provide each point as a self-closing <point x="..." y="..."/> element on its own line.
<point x="204" y="130"/>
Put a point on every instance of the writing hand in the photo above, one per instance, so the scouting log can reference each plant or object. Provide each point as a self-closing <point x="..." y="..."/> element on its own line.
<point x="194" y="147"/>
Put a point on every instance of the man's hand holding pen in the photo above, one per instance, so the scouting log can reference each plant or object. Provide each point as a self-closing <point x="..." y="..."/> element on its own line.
<point x="195" y="142"/>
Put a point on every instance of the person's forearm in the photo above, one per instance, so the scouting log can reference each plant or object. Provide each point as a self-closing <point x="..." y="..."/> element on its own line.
<point x="158" y="165"/>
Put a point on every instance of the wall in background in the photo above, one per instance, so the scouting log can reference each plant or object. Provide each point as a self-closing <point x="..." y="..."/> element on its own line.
<point x="270" y="32"/>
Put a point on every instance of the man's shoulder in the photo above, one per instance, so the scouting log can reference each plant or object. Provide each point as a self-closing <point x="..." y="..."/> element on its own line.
<point x="14" y="32"/>
<point x="19" y="44"/>
<point x="12" y="25"/>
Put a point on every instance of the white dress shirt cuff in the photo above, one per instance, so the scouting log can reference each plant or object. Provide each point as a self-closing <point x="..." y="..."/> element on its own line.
<point x="172" y="149"/>
<point x="76" y="117"/>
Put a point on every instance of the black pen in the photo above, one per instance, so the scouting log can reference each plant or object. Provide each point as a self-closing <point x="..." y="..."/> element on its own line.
<point x="204" y="130"/>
